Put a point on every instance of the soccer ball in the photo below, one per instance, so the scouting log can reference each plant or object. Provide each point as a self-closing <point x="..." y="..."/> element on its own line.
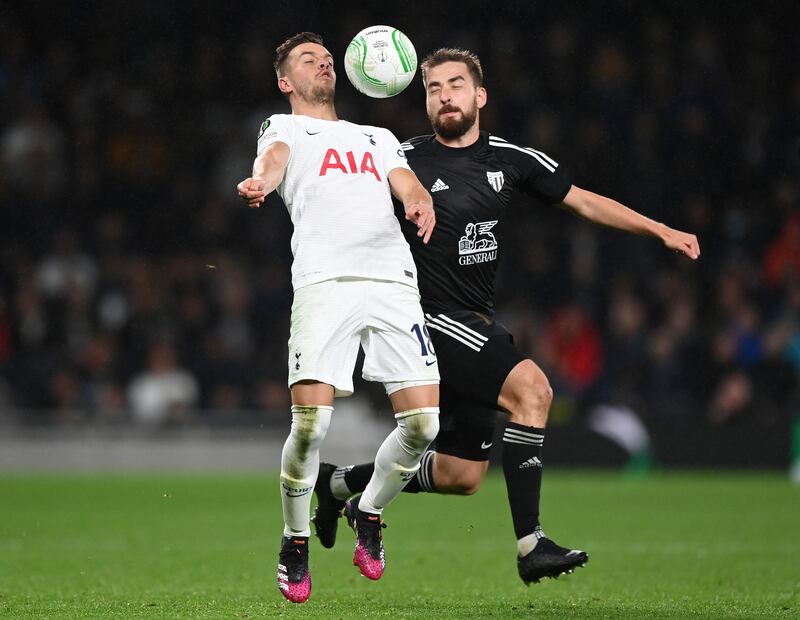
<point x="380" y="61"/>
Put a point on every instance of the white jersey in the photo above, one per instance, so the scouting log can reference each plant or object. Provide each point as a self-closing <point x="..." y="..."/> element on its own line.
<point x="336" y="189"/>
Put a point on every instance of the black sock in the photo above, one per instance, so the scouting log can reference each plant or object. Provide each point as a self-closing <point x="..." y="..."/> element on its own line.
<point x="422" y="482"/>
<point x="357" y="477"/>
<point x="522" y="468"/>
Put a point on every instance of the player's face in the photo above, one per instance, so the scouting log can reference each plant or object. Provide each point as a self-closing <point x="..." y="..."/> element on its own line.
<point x="453" y="100"/>
<point x="310" y="74"/>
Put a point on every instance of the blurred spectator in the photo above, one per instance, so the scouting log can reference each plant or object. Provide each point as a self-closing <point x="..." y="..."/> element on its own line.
<point x="572" y="349"/>
<point x="164" y="392"/>
<point x="100" y="372"/>
<point x="32" y="158"/>
<point x="65" y="269"/>
<point x="65" y="394"/>
<point x="625" y="368"/>
<point x="782" y="257"/>
<point x="6" y="335"/>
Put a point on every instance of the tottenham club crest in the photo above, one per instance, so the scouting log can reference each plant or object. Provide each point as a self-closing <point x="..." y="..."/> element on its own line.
<point x="478" y="245"/>
<point x="496" y="180"/>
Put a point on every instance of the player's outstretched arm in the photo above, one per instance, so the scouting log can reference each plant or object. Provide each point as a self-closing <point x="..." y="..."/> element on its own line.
<point x="268" y="170"/>
<point x="608" y="212"/>
<point x="416" y="200"/>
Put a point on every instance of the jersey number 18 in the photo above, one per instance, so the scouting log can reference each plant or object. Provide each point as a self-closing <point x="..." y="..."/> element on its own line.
<point x="425" y="344"/>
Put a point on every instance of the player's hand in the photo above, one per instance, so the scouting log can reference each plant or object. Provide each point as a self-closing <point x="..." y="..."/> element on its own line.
<point x="252" y="192"/>
<point x="422" y="214"/>
<point x="681" y="242"/>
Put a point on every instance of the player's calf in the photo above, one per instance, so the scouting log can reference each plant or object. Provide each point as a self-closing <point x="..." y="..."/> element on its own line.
<point x="398" y="458"/>
<point x="456" y="476"/>
<point x="329" y="509"/>
<point x="300" y="464"/>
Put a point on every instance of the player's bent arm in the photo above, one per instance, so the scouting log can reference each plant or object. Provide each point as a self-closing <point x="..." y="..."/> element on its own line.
<point x="268" y="170"/>
<point x="607" y="212"/>
<point x="416" y="200"/>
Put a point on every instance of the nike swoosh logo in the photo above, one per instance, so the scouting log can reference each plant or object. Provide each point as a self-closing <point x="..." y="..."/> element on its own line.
<point x="312" y="133"/>
<point x="485" y="445"/>
<point x="290" y="494"/>
<point x="430" y="363"/>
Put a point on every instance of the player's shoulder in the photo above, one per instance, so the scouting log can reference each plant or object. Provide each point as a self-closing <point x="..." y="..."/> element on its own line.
<point x="504" y="147"/>
<point x="369" y="130"/>
<point x="281" y="118"/>
<point x="275" y="128"/>
<point x="519" y="154"/>
<point x="417" y="143"/>
<point x="274" y="121"/>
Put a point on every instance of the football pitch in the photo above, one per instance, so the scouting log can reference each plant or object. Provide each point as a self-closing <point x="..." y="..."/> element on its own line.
<point x="205" y="546"/>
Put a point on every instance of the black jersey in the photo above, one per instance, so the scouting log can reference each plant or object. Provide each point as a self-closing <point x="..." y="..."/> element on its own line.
<point x="471" y="189"/>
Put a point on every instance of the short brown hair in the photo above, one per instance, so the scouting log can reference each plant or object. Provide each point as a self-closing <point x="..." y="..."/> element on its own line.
<point x="283" y="50"/>
<point x="453" y="54"/>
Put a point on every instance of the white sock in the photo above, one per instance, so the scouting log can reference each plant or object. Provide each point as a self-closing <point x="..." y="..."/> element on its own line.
<point x="339" y="487"/>
<point x="398" y="457"/>
<point x="300" y="465"/>
<point x="528" y="543"/>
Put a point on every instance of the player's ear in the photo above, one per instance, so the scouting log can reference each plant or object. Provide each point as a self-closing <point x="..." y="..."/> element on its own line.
<point x="284" y="85"/>
<point x="481" y="97"/>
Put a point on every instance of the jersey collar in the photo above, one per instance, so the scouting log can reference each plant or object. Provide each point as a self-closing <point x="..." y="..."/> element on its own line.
<point x="462" y="151"/>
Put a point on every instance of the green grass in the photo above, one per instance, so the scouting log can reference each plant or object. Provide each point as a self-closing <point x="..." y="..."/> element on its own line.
<point x="668" y="546"/>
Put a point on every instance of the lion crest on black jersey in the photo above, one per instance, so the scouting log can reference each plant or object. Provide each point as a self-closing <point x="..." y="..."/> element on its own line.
<point x="471" y="189"/>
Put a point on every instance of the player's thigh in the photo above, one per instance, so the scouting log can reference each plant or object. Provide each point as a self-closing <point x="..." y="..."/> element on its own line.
<point x="466" y="428"/>
<point x="475" y="355"/>
<point x="325" y="333"/>
<point x="309" y="392"/>
<point x="396" y="346"/>
<point x="526" y="389"/>
<point x="413" y="396"/>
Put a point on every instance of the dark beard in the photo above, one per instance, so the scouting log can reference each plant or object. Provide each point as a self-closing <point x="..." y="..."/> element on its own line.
<point x="452" y="128"/>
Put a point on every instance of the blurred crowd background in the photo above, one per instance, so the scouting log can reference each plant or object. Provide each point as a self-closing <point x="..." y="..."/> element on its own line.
<point x="134" y="286"/>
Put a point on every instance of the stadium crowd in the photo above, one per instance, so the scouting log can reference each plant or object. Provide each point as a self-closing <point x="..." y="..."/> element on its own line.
<point x="135" y="286"/>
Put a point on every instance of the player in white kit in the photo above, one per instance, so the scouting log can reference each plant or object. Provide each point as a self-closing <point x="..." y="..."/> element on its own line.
<point x="355" y="284"/>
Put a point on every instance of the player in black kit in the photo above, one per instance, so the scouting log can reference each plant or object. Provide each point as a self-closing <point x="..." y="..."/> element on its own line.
<point x="472" y="175"/>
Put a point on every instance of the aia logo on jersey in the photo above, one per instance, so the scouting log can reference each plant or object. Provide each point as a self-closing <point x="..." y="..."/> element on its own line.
<point x="334" y="161"/>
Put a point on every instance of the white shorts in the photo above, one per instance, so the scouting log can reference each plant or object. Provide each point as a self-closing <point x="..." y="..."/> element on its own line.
<point x="331" y="319"/>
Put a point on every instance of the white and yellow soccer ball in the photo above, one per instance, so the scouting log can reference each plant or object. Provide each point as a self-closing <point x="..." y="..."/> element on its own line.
<point x="380" y="61"/>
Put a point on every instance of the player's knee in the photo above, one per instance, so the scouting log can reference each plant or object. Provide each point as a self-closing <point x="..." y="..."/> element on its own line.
<point x="542" y="393"/>
<point x="424" y="427"/>
<point x="419" y="426"/>
<point x="531" y="399"/>
<point x="310" y="423"/>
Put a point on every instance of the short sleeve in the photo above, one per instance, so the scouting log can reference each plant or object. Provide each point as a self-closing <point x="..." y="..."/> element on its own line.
<point x="392" y="155"/>
<point x="545" y="178"/>
<point x="277" y="128"/>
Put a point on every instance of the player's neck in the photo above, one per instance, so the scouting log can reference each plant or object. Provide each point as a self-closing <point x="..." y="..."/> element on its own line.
<point x="468" y="139"/>
<point x="322" y="111"/>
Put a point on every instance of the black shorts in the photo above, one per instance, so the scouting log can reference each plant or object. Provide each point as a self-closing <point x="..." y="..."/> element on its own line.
<point x="475" y="356"/>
